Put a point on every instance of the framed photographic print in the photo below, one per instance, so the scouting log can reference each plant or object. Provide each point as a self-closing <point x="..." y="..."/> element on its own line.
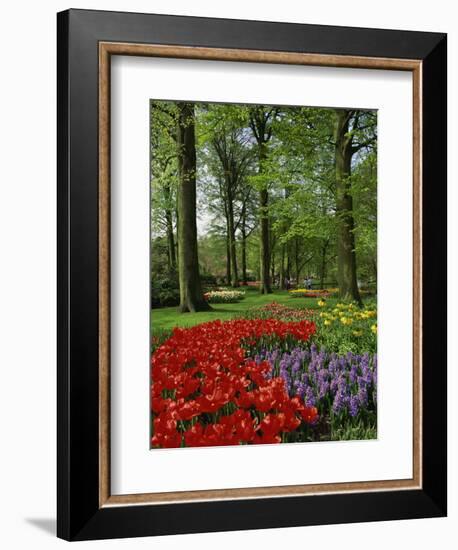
<point x="252" y="274"/>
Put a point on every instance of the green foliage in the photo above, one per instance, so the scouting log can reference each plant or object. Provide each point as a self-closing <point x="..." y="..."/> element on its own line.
<point x="299" y="174"/>
<point x="208" y="279"/>
<point x="164" y="170"/>
<point x="343" y="327"/>
<point x="354" y="429"/>
<point x="159" y="337"/>
<point x="165" y="292"/>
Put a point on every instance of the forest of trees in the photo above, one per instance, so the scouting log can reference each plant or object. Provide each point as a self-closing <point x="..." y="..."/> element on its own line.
<point x="262" y="193"/>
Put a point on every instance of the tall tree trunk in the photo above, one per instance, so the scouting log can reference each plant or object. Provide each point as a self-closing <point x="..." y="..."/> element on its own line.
<point x="284" y="250"/>
<point x="323" y="263"/>
<point x="259" y="120"/>
<point x="228" y="254"/>
<point x="283" y="267"/>
<point x="177" y="248"/>
<point x="264" y="243"/>
<point x="170" y="242"/>
<point x="346" y="255"/>
<point x="288" y="261"/>
<point x="296" y="254"/>
<point x="232" y="249"/>
<point x="171" y="258"/>
<point x="243" y="231"/>
<point x="232" y="170"/>
<point x="272" y="266"/>
<point x="191" y="296"/>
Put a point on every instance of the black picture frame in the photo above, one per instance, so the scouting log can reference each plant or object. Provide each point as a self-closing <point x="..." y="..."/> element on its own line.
<point x="79" y="515"/>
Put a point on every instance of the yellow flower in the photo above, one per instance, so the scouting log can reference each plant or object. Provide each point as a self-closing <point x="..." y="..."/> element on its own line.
<point x="357" y="333"/>
<point x="327" y="322"/>
<point x="374" y="328"/>
<point x="346" y="320"/>
<point x="321" y="303"/>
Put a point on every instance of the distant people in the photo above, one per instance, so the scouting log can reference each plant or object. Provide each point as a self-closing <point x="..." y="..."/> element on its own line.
<point x="287" y="283"/>
<point x="309" y="283"/>
<point x="306" y="282"/>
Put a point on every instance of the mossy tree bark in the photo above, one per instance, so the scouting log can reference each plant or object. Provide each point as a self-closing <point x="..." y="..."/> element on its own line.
<point x="243" y="244"/>
<point x="232" y="247"/>
<point x="346" y="255"/>
<point x="228" y="255"/>
<point x="297" y="261"/>
<point x="288" y="261"/>
<point x="233" y="166"/>
<point x="172" y="262"/>
<point x="324" y="248"/>
<point x="260" y="123"/>
<point x="264" y="250"/>
<point x="283" y="267"/>
<point x="191" y="295"/>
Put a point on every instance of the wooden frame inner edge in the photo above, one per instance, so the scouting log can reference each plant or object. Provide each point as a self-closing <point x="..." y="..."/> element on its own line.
<point x="106" y="49"/>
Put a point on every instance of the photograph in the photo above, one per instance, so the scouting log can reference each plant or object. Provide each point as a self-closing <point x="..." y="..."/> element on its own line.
<point x="251" y="319"/>
<point x="263" y="265"/>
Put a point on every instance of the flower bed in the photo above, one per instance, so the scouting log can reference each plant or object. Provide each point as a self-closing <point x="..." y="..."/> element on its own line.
<point x="282" y="375"/>
<point x="306" y="293"/>
<point x="207" y="390"/>
<point x="224" y="296"/>
<point x="342" y="388"/>
<point x="346" y="327"/>
<point x="275" y="310"/>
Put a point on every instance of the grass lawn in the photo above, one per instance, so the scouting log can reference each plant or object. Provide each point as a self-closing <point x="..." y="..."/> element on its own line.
<point x="168" y="317"/>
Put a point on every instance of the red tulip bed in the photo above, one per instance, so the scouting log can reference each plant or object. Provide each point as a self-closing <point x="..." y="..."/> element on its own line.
<point x="208" y="390"/>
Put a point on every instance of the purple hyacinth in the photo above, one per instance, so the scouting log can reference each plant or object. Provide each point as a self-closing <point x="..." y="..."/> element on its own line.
<point x="362" y="396"/>
<point x="353" y="405"/>
<point x="339" y="402"/>
<point x="346" y="383"/>
<point x="309" y="397"/>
